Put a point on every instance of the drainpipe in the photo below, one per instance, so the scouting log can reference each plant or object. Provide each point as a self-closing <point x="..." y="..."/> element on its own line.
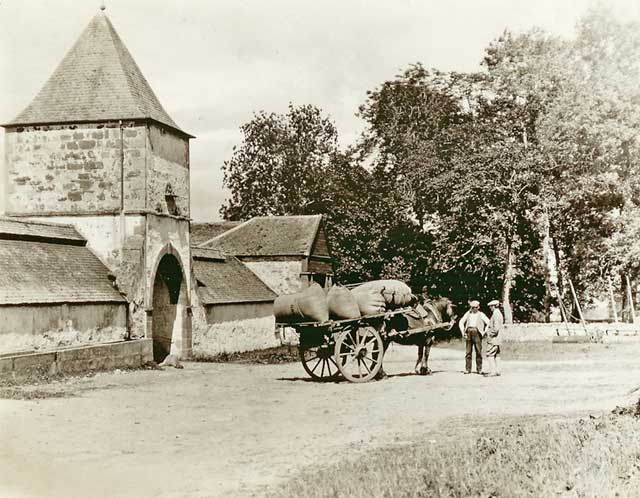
<point x="122" y="219"/>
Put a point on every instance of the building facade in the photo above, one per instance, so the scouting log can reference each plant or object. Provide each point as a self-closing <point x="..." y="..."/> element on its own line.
<point x="95" y="149"/>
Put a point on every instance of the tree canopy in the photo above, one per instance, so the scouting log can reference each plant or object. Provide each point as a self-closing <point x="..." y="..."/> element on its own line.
<point x="477" y="185"/>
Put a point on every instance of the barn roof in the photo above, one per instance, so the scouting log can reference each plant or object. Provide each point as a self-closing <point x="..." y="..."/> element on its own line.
<point x="202" y="232"/>
<point x="97" y="80"/>
<point x="229" y="281"/>
<point x="43" y="263"/>
<point x="269" y="236"/>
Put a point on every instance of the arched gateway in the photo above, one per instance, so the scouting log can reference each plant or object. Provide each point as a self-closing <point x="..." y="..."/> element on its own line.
<point x="169" y="305"/>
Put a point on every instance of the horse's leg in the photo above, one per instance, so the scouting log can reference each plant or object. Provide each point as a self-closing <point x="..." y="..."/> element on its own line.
<point x="419" y="361"/>
<point x="381" y="373"/>
<point x="425" y="361"/>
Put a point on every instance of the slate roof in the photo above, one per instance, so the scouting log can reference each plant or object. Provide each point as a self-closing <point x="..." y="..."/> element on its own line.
<point x="269" y="236"/>
<point x="97" y="80"/>
<point x="43" y="263"/>
<point x="229" y="281"/>
<point x="10" y="228"/>
<point x="202" y="232"/>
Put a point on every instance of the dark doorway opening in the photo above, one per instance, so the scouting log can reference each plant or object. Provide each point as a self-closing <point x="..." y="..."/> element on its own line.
<point x="166" y="293"/>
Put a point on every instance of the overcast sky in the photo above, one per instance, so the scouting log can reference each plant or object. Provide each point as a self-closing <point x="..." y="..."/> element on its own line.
<point x="213" y="63"/>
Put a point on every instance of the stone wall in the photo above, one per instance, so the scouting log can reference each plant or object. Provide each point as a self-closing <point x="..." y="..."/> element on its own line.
<point x="167" y="165"/>
<point x="127" y="354"/>
<point x="218" y="313"/>
<point x="167" y="235"/>
<point x="75" y="168"/>
<point x="26" y="328"/>
<point x="283" y="277"/>
<point x="597" y="332"/>
<point x="235" y="336"/>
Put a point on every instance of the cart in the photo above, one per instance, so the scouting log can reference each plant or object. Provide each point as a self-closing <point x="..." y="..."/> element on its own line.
<point x="352" y="348"/>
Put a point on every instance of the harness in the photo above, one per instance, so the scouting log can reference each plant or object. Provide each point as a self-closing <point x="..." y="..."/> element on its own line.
<point x="438" y="315"/>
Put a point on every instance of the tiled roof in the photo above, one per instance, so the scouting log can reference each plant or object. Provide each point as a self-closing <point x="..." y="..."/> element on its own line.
<point x="34" y="271"/>
<point x="17" y="229"/>
<point x="201" y="232"/>
<point x="270" y="236"/>
<point x="97" y="80"/>
<point x="229" y="282"/>
<point x="207" y="253"/>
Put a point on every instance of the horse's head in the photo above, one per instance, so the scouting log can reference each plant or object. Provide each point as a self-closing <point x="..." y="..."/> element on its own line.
<point x="447" y="310"/>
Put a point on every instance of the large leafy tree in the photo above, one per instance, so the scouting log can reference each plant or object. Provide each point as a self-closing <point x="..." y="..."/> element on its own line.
<point x="279" y="167"/>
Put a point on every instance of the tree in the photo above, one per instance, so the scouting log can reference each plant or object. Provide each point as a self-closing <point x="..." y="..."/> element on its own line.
<point x="278" y="169"/>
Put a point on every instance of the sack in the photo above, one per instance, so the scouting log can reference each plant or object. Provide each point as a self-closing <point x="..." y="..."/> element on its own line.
<point x="395" y="293"/>
<point x="342" y="303"/>
<point x="370" y="300"/>
<point x="309" y="305"/>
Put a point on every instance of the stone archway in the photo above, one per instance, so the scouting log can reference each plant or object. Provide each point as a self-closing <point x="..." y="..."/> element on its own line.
<point x="169" y="291"/>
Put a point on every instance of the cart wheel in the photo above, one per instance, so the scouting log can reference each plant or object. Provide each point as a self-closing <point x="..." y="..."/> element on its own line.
<point x="319" y="363"/>
<point x="359" y="353"/>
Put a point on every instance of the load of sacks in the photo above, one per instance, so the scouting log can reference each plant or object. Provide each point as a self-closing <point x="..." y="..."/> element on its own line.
<point x="315" y="304"/>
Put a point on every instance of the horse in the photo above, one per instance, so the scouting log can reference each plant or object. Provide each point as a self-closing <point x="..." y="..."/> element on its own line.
<point x="437" y="313"/>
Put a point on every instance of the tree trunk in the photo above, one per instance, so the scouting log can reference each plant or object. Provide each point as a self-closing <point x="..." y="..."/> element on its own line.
<point x="548" y="267"/>
<point x="626" y="305"/>
<point x="506" y="285"/>
<point x="559" y="275"/>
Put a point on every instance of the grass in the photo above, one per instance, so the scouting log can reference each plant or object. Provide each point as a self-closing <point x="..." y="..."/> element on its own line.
<point x="592" y="457"/>
<point x="275" y="355"/>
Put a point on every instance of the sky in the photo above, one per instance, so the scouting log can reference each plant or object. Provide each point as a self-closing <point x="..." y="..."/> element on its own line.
<point x="214" y="63"/>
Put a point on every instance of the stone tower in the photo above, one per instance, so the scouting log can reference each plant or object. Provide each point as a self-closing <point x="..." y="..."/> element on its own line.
<point x="96" y="149"/>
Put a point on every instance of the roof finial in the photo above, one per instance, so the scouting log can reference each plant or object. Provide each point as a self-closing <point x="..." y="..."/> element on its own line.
<point x="102" y="6"/>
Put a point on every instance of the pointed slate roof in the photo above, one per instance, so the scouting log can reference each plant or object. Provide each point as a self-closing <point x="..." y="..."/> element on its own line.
<point x="97" y="80"/>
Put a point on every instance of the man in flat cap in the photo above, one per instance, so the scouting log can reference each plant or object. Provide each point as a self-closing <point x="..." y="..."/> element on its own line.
<point x="472" y="326"/>
<point x="494" y="339"/>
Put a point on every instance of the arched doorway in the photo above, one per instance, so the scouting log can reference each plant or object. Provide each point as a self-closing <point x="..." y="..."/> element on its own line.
<point x="167" y="289"/>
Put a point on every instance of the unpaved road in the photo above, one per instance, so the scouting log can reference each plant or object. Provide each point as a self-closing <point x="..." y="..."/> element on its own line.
<point x="228" y="430"/>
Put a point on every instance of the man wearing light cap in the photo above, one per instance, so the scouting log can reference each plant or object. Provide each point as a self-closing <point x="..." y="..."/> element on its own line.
<point x="494" y="339"/>
<point x="472" y="326"/>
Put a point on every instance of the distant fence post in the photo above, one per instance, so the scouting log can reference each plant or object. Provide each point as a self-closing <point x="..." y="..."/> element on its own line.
<point x="630" y="297"/>
<point x="613" y="301"/>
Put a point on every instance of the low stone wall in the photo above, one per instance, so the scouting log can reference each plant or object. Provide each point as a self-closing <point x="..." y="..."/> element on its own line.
<point x="234" y="336"/>
<point x="126" y="354"/>
<point x="597" y="332"/>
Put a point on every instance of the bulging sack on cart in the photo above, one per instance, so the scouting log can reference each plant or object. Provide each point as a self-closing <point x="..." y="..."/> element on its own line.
<point x="370" y="300"/>
<point x="342" y="303"/>
<point x="393" y="293"/>
<point x="308" y="305"/>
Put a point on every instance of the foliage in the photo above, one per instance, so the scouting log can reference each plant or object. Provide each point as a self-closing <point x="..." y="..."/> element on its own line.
<point x="459" y="179"/>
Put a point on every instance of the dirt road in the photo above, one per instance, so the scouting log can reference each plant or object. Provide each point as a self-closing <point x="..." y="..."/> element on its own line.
<point x="214" y="430"/>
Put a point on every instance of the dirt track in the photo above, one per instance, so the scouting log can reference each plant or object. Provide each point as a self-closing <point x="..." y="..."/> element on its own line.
<point x="214" y="430"/>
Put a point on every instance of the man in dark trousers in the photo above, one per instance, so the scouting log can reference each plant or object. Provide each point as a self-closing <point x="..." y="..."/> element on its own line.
<point x="473" y="326"/>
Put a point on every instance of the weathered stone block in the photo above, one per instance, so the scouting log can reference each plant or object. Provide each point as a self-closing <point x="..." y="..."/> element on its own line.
<point x="72" y="146"/>
<point x="78" y="135"/>
<point x="33" y="362"/>
<point x="87" y="144"/>
<point x="6" y="365"/>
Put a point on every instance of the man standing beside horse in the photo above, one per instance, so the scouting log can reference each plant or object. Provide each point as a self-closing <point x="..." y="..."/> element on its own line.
<point x="473" y="326"/>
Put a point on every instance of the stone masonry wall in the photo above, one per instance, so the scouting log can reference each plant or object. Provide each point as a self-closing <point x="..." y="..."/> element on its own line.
<point x="283" y="277"/>
<point x="167" y="164"/>
<point x="74" y="168"/>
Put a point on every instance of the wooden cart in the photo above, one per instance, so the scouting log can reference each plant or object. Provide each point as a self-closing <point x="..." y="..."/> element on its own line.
<point x="351" y="348"/>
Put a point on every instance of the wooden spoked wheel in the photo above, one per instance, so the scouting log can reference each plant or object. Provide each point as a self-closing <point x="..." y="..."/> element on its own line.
<point x="318" y="362"/>
<point x="359" y="353"/>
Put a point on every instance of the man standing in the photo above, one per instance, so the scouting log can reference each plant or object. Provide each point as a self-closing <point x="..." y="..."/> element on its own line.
<point x="494" y="337"/>
<point x="472" y="327"/>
